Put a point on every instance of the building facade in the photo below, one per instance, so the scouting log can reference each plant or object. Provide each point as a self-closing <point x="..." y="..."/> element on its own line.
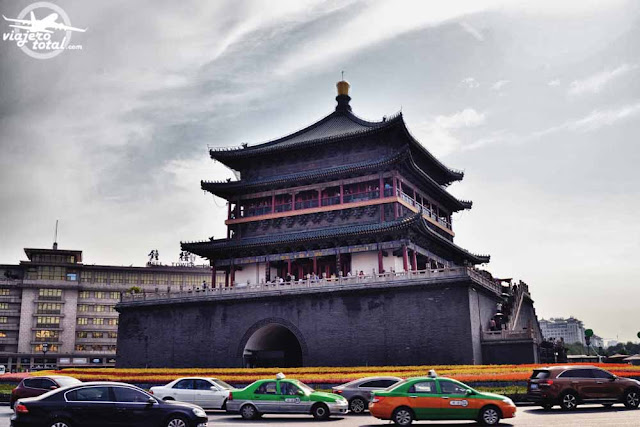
<point x="56" y="311"/>
<point x="571" y="330"/>
<point x="336" y="232"/>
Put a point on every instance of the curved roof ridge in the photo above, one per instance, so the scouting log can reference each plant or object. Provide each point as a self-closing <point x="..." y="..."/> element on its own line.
<point x="335" y="116"/>
<point x="482" y="258"/>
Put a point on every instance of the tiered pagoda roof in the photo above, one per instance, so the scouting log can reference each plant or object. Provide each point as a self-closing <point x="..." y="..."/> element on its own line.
<point x="340" y="126"/>
<point x="228" y="189"/>
<point x="416" y="224"/>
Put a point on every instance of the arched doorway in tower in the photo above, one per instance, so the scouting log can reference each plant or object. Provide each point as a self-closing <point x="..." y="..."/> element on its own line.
<point x="273" y="345"/>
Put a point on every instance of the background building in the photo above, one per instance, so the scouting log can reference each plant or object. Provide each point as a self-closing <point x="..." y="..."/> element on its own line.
<point x="571" y="329"/>
<point x="56" y="311"/>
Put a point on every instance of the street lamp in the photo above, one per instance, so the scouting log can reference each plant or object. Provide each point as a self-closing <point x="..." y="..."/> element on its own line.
<point x="45" y="348"/>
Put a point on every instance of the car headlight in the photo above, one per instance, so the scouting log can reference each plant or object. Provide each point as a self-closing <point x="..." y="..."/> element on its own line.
<point x="508" y="401"/>
<point x="199" y="412"/>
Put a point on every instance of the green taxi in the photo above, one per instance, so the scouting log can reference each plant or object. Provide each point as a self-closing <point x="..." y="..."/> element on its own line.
<point x="284" y="396"/>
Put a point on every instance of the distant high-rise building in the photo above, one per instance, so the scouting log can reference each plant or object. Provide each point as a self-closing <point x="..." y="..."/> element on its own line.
<point x="571" y="330"/>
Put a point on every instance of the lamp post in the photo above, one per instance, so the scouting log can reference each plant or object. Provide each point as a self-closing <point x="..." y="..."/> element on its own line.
<point x="45" y="348"/>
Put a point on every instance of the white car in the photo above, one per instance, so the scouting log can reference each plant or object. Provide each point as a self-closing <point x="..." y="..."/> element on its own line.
<point x="210" y="393"/>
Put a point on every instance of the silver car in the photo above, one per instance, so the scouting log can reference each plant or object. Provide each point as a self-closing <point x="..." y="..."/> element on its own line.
<point x="358" y="392"/>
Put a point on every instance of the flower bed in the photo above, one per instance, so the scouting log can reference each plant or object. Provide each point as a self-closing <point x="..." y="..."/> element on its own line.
<point x="502" y="374"/>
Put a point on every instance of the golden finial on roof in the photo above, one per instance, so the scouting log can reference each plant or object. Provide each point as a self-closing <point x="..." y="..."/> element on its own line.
<point x="343" y="86"/>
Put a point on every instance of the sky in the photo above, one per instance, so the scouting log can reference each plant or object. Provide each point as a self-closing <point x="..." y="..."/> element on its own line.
<point x="538" y="102"/>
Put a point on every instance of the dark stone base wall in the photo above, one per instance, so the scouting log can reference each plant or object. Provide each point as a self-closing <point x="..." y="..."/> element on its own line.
<point x="400" y="326"/>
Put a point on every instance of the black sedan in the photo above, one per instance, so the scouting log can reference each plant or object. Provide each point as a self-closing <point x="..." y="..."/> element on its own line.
<point x="104" y="404"/>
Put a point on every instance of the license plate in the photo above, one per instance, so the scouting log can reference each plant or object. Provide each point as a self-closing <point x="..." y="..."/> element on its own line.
<point x="534" y="386"/>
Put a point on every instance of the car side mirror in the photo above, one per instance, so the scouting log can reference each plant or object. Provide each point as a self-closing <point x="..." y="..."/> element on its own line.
<point x="613" y="378"/>
<point x="53" y="387"/>
<point x="470" y="392"/>
<point x="300" y="393"/>
<point x="151" y="401"/>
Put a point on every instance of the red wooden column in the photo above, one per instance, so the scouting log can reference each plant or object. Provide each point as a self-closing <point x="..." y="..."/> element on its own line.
<point x="315" y="266"/>
<point x="414" y="260"/>
<point x="381" y="185"/>
<point x="273" y="203"/>
<point x="380" y="264"/>
<point x="341" y="193"/>
<point x="226" y="279"/>
<point x="405" y="258"/>
<point x="233" y="274"/>
<point x="213" y="274"/>
<point x="289" y="266"/>
<point x="319" y="197"/>
<point x="338" y="263"/>
<point x="293" y="201"/>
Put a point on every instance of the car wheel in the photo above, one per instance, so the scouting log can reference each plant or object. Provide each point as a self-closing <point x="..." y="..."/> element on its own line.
<point x="60" y="423"/>
<point x="632" y="399"/>
<point x="357" y="405"/>
<point x="402" y="417"/>
<point x="569" y="401"/>
<point x="320" y="412"/>
<point x="489" y="416"/>
<point x="249" y="412"/>
<point x="177" y="421"/>
<point x="547" y="406"/>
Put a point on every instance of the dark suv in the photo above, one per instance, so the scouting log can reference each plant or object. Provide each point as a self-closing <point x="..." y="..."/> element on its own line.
<point x="569" y="386"/>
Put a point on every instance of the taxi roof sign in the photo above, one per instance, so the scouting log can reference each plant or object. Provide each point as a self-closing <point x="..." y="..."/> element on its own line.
<point x="280" y="376"/>
<point x="432" y="373"/>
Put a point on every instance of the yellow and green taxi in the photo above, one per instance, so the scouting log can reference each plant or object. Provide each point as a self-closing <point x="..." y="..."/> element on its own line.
<point x="284" y="396"/>
<point x="438" y="398"/>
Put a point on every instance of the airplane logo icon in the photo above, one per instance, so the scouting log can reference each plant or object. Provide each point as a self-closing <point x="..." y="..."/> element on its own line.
<point x="45" y="25"/>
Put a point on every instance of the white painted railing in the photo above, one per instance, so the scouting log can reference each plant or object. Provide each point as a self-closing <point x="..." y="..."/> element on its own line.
<point x="429" y="276"/>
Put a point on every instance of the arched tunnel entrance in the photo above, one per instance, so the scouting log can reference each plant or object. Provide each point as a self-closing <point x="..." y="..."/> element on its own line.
<point x="272" y="346"/>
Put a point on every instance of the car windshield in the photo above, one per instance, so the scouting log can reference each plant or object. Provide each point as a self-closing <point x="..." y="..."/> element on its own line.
<point x="66" y="381"/>
<point x="304" y="387"/>
<point x="221" y="384"/>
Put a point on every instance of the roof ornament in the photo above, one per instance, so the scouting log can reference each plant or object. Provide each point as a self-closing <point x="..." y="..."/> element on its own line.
<point x="343" y="97"/>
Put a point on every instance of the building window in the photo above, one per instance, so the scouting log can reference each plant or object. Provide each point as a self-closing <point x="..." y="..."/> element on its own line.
<point x="111" y="322"/>
<point x="5" y="292"/>
<point x="132" y="278"/>
<point x="4" y="334"/>
<point x="113" y="335"/>
<point x="51" y="273"/>
<point x="52" y="348"/>
<point x="4" y="306"/>
<point x="99" y="295"/>
<point x="72" y="276"/>
<point x="81" y="347"/>
<point x="46" y="335"/>
<point x="84" y="294"/>
<point x="147" y="279"/>
<point x="96" y="348"/>
<point x="83" y="321"/>
<point x="117" y="278"/>
<point x="49" y="308"/>
<point x="97" y="335"/>
<point x="47" y="321"/>
<point x="82" y="334"/>
<point x="114" y="295"/>
<point x="3" y="319"/>
<point x="100" y="277"/>
<point x="50" y="294"/>
<point x="83" y="307"/>
<point x="85" y="276"/>
<point x="162" y="279"/>
<point x="176" y="279"/>
<point x="98" y="321"/>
